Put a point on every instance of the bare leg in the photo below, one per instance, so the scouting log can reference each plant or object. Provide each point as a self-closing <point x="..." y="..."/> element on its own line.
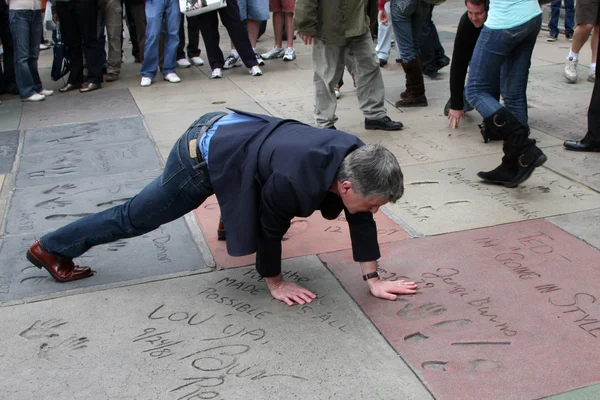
<point x="580" y="36"/>
<point x="289" y="28"/>
<point x="253" y="28"/>
<point x="277" y="28"/>
<point x="594" y="44"/>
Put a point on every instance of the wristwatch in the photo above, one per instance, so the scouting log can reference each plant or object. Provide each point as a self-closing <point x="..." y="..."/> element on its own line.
<point x="371" y="275"/>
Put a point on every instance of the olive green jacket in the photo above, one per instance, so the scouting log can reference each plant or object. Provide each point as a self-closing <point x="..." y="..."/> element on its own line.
<point x="335" y="20"/>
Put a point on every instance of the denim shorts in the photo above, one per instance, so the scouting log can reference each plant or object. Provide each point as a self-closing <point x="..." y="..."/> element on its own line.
<point x="254" y="9"/>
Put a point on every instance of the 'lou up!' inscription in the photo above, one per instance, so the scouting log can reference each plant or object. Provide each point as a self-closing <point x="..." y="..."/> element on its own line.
<point x="580" y="309"/>
<point x="339" y="229"/>
<point x="216" y="359"/>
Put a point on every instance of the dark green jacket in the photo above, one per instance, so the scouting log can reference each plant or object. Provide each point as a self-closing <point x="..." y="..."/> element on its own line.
<point x="335" y="20"/>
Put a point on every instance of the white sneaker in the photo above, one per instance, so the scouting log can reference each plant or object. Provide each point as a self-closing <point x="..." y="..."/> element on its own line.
<point x="255" y="71"/>
<point x="35" y="97"/>
<point x="592" y="75"/>
<point x="172" y="77"/>
<point x="336" y="91"/>
<point x="183" y="63"/>
<point x="217" y="73"/>
<point x="44" y="47"/>
<point x="275" y="52"/>
<point x="145" y="81"/>
<point x="259" y="59"/>
<point x="290" y="54"/>
<point x="45" y="92"/>
<point x="571" y="69"/>
<point x="197" y="61"/>
<point x="232" y="61"/>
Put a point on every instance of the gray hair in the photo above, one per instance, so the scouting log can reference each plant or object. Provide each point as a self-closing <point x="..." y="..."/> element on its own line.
<point x="374" y="172"/>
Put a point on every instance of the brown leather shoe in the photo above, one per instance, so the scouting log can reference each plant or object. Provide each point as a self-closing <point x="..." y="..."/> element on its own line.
<point x="61" y="269"/>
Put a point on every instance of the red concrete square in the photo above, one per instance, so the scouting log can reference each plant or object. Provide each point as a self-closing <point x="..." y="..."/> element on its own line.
<point x="509" y="312"/>
<point x="306" y="236"/>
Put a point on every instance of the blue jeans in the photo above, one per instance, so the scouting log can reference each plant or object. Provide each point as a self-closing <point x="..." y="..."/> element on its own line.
<point x="569" y="17"/>
<point x="155" y="11"/>
<point x="407" y="19"/>
<point x="384" y="38"/>
<point x="183" y="185"/>
<point x="502" y="55"/>
<point x="26" y="30"/>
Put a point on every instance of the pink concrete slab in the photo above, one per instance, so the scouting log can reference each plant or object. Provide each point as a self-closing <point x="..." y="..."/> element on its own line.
<point x="306" y="236"/>
<point x="509" y="312"/>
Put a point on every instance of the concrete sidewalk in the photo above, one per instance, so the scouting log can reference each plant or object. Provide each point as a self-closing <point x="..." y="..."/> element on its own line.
<point x="508" y="300"/>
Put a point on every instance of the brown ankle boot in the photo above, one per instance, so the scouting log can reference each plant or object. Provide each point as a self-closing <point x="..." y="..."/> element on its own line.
<point x="415" y="86"/>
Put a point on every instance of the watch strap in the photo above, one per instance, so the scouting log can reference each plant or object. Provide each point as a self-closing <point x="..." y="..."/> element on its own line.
<point x="371" y="275"/>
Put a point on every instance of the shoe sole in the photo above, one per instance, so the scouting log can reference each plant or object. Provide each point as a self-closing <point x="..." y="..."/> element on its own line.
<point x="369" y="128"/>
<point x="538" y="163"/>
<point x="571" y="80"/>
<point x="38" y="263"/>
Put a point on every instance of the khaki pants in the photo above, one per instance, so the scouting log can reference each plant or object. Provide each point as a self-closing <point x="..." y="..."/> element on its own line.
<point x="358" y="55"/>
<point x="111" y="11"/>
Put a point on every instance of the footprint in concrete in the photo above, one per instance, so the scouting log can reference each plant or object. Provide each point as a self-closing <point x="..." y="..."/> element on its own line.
<point x="34" y="280"/>
<point x="451" y="325"/>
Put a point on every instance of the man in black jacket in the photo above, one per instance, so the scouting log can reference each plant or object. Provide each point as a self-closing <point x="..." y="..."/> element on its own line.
<point x="264" y="172"/>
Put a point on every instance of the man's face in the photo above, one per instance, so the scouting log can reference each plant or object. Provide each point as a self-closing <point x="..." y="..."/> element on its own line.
<point x="477" y="14"/>
<point x="355" y="203"/>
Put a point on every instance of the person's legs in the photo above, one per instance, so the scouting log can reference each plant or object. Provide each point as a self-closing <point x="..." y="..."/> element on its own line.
<point x="172" y="20"/>
<point x="569" y="17"/>
<point x="154" y="19"/>
<point x="209" y="26"/>
<point x="71" y="36"/>
<point x="252" y="26"/>
<point x="139" y="16"/>
<point x="325" y="76"/>
<point x="193" y="31"/>
<point x="517" y="72"/>
<point x="131" y="27"/>
<point x="361" y="63"/>
<point x="401" y="12"/>
<point x="113" y="14"/>
<point x="8" y="81"/>
<point x="553" y="22"/>
<point x="20" y="27"/>
<point x="183" y="185"/>
<point x="181" y="45"/>
<point x="289" y="28"/>
<point x="35" y="39"/>
<point x="384" y="37"/>
<point x="278" y="28"/>
<point x="230" y="17"/>
<point x="86" y="17"/>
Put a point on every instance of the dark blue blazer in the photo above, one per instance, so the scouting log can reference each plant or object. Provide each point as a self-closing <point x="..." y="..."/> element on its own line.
<point x="267" y="172"/>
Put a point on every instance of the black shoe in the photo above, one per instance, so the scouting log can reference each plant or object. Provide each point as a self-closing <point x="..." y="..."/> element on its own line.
<point x="527" y="161"/>
<point x="431" y="74"/>
<point x="442" y="62"/>
<point x="382" y="63"/>
<point x="578" y="146"/>
<point x="90" y="87"/>
<point x="399" y="60"/>
<point x="502" y="174"/>
<point x="384" y="123"/>
<point x="332" y="127"/>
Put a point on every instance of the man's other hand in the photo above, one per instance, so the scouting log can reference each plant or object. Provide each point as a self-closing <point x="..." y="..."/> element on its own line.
<point x="390" y="289"/>
<point x="383" y="17"/>
<point x="288" y="292"/>
<point x="454" y="117"/>
<point x="307" y="39"/>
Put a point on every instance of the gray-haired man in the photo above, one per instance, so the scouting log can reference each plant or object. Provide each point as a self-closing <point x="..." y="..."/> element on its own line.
<point x="264" y="171"/>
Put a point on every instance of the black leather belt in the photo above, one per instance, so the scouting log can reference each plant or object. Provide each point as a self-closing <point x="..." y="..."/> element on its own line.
<point x="193" y="149"/>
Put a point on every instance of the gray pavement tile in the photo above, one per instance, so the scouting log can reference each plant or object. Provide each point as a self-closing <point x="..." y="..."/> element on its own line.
<point x="10" y="115"/>
<point x="9" y="141"/>
<point x="582" y="167"/>
<point x="564" y="117"/>
<point x="83" y="136"/>
<point x="214" y="336"/>
<point x="166" y="250"/>
<point x="74" y="107"/>
<point x="67" y="165"/>
<point x="49" y="206"/>
<point x="449" y="197"/>
<point x="585" y="225"/>
<point x="587" y="393"/>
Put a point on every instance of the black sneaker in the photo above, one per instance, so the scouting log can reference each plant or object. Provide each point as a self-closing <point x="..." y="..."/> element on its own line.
<point x="385" y="124"/>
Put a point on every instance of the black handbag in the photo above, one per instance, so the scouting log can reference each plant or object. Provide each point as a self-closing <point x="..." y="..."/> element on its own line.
<point x="61" y="65"/>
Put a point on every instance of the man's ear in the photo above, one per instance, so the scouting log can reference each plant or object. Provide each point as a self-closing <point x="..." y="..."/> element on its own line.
<point x="345" y="186"/>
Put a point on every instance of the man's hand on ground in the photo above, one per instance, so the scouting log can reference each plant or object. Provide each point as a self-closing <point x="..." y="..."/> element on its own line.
<point x="454" y="117"/>
<point x="390" y="289"/>
<point x="307" y="39"/>
<point x="288" y="292"/>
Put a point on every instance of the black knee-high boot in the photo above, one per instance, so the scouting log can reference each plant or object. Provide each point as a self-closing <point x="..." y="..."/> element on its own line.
<point x="521" y="155"/>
